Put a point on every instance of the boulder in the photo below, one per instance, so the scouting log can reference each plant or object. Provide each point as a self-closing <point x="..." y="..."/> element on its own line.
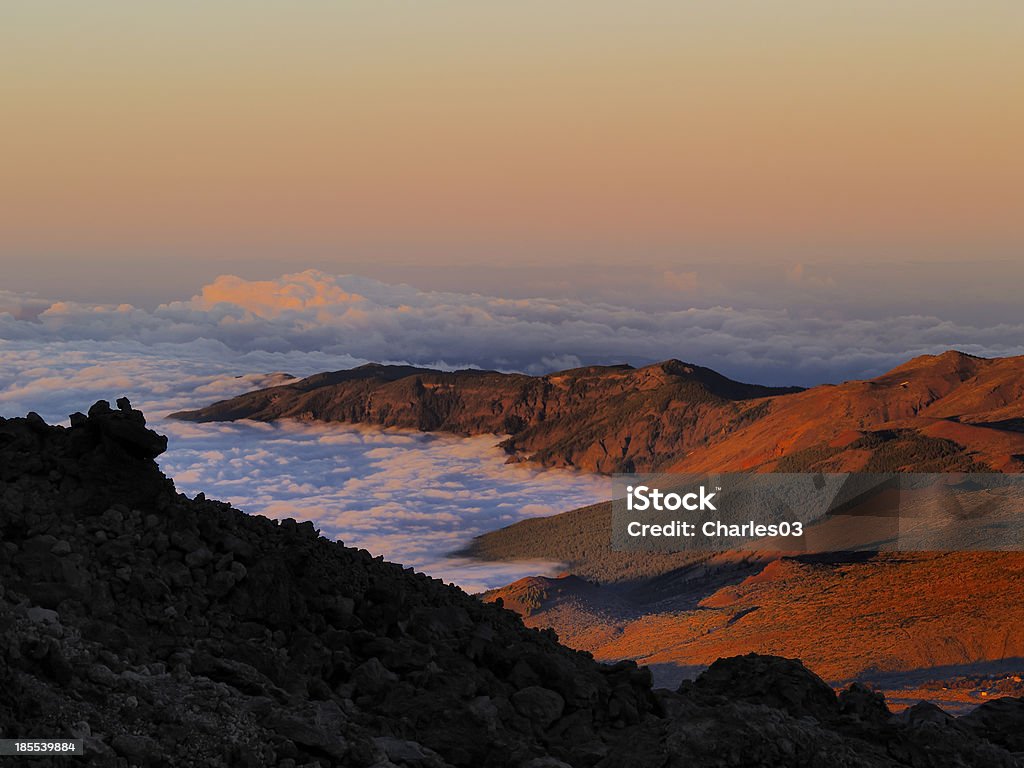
<point x="1001" y="721"/>
<point x="773" y="681"/>
<point x="539" y="705"/>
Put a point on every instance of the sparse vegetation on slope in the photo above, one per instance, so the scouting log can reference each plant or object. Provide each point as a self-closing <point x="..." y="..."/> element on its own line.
<point x="581" y="539"/>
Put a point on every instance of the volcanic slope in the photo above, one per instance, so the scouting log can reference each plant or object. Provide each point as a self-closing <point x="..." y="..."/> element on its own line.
<point x="929" y="617"/>
<point x="167" y="631"/>
<point x="948" y="412"/>
<point x="932" y="616"/>
<point x="935" y="413"/>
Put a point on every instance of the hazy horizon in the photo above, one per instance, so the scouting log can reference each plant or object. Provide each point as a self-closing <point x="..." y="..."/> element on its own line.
<point x="498" y="149"/>
<point x="821" y="327"/>
<point x="794" y="194"/>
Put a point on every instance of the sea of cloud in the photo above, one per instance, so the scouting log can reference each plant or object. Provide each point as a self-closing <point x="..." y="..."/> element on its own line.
<point x="410" y="496"/>
<point x="351" y="317"/>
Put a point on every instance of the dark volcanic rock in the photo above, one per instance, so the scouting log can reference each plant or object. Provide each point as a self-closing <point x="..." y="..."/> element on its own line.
<point x="178" y="632"/>
<point x="1000" y="721"/>
<point x="770" y="680"/>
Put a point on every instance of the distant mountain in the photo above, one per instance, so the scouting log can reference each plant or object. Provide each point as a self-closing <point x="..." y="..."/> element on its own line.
<point x="605" y="419"/>
<point x="935" y="413"/>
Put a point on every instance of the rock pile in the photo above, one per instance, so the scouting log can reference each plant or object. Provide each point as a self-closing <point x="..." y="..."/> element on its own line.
<point x="167" y="631"/>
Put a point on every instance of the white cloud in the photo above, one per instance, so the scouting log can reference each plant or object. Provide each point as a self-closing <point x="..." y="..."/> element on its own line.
<point x="298" y="293"/>
<point x="352" y="318"/>
<point x="411" y="496"/>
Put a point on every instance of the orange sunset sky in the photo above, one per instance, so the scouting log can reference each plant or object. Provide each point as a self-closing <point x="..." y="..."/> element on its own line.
<point x="189" y="139"/>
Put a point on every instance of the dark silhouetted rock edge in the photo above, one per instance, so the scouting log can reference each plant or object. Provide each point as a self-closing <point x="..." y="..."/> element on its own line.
<point x="167" y="631"/>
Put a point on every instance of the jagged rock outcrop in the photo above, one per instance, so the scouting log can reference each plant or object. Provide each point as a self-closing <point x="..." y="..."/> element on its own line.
<point x="775" y="682"/>
<point x="169" y="631"/>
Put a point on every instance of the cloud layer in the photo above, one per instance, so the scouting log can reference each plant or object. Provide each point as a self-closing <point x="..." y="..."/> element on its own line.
<point x="410" y="496"/>
<point x="347" y="318"/>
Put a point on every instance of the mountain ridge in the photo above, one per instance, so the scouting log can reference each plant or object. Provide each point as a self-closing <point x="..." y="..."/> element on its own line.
<point x="944" y="412"/>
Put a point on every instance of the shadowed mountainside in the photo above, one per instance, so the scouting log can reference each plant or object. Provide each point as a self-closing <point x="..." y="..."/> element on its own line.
<point x="167" y="631"/>
<point x="580" y="539"/>
<point x="935" y="413"/>
<point x="846" y="617"/>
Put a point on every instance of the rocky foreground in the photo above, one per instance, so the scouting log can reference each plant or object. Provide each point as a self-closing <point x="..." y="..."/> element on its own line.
<point x="178" y="632"/>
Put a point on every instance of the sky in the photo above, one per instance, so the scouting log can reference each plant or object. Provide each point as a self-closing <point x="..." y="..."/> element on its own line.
<point x="792" y="193"/>
<point x="513" y="149"/>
